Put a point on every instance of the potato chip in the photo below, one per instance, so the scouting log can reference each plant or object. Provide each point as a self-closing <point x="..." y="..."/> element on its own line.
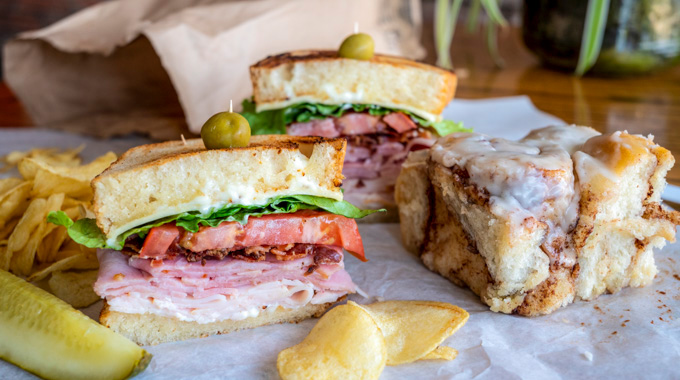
<point x="66" y="263"/>
<point x="88" y="261"/>
<point x="8" y="228"/>
<point x="49" y="155"/>
<point x="74" y="287"/>
<point x="28" y="168"/>
<point x="413" y="329"/>
<point x="74" y="181"/>
<point x="53" y="238"/>
<point x="69" y="157"/>
<point x="346" y="343"/>
<point x="441" y="352"/>
<point x="22" y="232"/>
<point x="5" y="258"/>
<point x="47" y="182"/>
<point x="14" y="202"/>
<point x="72" y="203"/>
<point x="8" y="183"/>
<point x="51" y="181"/>
<point x="27" y="236"/>
<point x="69" y="245"/>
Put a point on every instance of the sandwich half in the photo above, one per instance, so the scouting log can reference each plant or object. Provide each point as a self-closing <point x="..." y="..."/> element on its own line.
<point x="196" y="242"/>
<point x="384" y="107"/>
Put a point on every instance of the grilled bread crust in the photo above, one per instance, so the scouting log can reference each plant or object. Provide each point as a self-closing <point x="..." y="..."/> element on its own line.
<point x="323" y="77"/>
<point x="157" y="180"/>
<point x="149" y="329"/>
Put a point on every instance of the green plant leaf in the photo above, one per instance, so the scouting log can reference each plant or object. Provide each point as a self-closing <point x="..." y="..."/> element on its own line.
<point x="86" y="232"/>
<point x="494" y="13"/>
<point x="446" y="18"/>
<point x="265" y="122"/>
<point x="82" y="231"/>
<point x="59" y="218"/>
<point x="336" y="207"/>
<point x="492" y="45"/>
<point x="593" y="32"/>
<point x="473" y="16"/>
<point x="305" y="112"/>
<point x="446" y="127"/>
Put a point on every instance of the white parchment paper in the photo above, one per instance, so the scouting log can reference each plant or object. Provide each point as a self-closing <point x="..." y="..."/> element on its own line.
<point x="633" y="334"/>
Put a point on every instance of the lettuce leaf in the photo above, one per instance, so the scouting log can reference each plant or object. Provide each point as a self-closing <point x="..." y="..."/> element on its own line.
<point x="86" y="232"/>
<point x="275" y="121"/>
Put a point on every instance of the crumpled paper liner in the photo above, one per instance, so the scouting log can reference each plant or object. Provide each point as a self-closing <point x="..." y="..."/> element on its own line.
<point x="163" y="67"/>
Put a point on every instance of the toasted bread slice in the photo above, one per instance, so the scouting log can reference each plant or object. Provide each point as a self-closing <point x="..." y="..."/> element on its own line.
<point x="323" y="77"/>
<point x="149" y="329"/>
<point x="530" y="231"/>
<point x="153" y="181"/>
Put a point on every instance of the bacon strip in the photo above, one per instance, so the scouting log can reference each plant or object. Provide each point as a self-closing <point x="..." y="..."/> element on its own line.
<point x="303" y="227"/>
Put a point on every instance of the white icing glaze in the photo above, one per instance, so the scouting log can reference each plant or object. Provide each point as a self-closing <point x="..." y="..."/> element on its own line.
<point x="538" y="179"/>
<point x="529" y="179"/>
<point x="569" y="137"/>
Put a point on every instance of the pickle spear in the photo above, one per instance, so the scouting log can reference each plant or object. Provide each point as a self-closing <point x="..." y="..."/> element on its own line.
<point x="44" y="335"/>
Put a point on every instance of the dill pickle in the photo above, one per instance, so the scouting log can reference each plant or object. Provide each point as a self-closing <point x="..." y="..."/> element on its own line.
<point x="44" y="335"/>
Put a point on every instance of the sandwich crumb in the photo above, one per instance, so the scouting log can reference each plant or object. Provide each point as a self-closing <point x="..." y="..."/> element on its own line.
<point x="588" y="355"/>
<point x="118" y="276"/>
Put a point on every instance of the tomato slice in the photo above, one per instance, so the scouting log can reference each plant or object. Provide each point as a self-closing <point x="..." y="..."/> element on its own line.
<point x="158" y="241"/>
<point x="304" y="227"/>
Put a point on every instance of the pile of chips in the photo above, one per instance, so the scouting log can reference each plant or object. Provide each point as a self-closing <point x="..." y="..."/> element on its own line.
<point x="29" y="245"/>
<point x="356" y="341"/>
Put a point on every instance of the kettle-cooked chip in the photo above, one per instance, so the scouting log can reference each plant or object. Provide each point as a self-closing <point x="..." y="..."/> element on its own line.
<point x="346" y="343"/>
<point x="75" y="287"/>
<point x="413" y="329"/>
<point x="13" y="202"/>
<point x="441" y="352"/>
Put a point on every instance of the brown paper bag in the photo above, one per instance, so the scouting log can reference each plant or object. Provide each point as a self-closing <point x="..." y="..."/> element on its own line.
<point x="162" y="68"/>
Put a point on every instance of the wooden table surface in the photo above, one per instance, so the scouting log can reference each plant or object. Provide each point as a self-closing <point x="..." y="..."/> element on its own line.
<point x="644" y="105"/>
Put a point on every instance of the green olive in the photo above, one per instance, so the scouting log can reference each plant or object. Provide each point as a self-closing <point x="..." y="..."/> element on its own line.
<point x="357" y="46"/>
<point x="225" y="130"/>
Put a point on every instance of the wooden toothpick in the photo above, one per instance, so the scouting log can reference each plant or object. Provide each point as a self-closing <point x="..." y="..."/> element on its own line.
<point x="231" y="106"/>
<point x="356" y="27"/>
<point x="184" y="141"/>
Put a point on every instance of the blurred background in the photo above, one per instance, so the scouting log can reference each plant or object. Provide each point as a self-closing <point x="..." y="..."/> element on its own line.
<point x="24" y="15"/>
<point x="610" y="64"/>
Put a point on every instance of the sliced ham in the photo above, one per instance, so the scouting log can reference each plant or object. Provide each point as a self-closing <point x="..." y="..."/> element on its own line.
<point x="323" y="127"/>
<point x="399" y="122"/>
<point x="376" y="148"/>
<point x="356" y="153"/>
<point x="216" y="290"/>
<point x="419" y="143"/>
<point x="365" y="169"/>
<point x="304" y="227"/>
<point x="389" y="149"/>
<point x="357" y="123"/>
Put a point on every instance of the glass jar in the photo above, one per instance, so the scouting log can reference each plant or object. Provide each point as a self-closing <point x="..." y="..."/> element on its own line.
<point x="640" y="36"/>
